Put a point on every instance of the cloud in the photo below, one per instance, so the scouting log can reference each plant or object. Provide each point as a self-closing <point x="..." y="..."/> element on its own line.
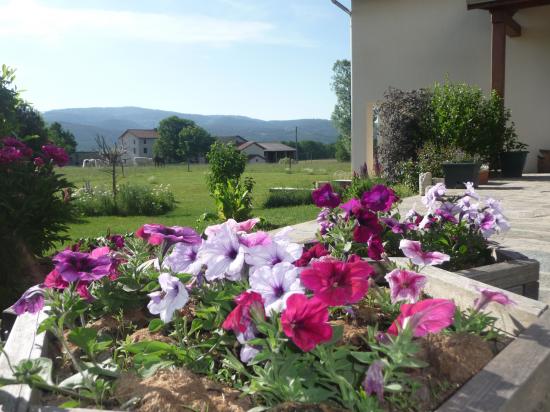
<point x="35" y="20"/>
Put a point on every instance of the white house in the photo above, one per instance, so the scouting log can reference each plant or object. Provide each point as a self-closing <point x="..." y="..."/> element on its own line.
<point x="266" y="151"/>
<point x="138" y="143"/>
<point x="410" y="44"/>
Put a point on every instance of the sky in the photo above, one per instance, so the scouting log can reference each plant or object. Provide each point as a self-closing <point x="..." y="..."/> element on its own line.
<point x="268" y="59"/>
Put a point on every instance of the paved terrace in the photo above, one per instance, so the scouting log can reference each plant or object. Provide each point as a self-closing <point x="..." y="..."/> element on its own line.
<point x="526" y="204"/>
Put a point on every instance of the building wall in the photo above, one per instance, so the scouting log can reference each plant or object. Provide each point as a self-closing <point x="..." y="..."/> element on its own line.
<point x="411" y="44"/>
<point x="254" y="149"/>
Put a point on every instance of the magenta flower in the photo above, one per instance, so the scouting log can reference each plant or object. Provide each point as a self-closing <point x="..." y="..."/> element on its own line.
<point x="405" y="285"/>
<point x="375" y="248"/>
<point x="155" y="234"/>
<point x="10" y="154"/>
<point x="171" y="297"/>
<point x="413" y="250"/>
<point x="350" y="205"/>
<point x="326" y="197"/>
<point x="305" y="321"/>
<point x="380" y="198"/>
<point x="427" y="316"/>
<point x="374" y="380"/>
<point x="32" y="301"/>
<point x="57" y="155"/>
<point x="488" y="296"/>
<point x="75" y="266"/>
<point x="315" y="252"/>
<point x="396" y="227"/>
<point x="337" y="283"/>
<point x="116" y="240"/>
<point x="55" y="281"/>
<point x="249" y="304"/>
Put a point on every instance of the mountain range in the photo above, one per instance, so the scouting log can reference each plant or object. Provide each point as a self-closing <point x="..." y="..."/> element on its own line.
<point x="111" y="122"/>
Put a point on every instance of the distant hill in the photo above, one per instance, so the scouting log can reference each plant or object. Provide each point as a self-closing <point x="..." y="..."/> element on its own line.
<point x="110" y="122"/>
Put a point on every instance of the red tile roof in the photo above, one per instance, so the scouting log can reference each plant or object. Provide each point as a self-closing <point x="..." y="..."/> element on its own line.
<point x="143" y="133"/>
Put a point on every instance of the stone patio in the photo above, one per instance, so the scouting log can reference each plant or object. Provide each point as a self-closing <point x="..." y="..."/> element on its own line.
<point x="526" y="204"/>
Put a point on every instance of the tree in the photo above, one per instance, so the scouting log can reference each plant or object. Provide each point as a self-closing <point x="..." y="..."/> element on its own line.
<point x="174" y="132"/>
<point x="62" y="137"/>
<point x="341" y="116"/>
<point x="112" y="156"/>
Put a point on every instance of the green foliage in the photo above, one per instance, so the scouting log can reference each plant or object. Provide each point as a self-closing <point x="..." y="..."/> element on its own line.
<point x="310" y="149"/>
<point x="341" y="115"/>
<point x="61" y="137"/>
<point x="475" y="322"/>
<point x="234" y="200"/>
<point x="131" y="200"/>
<point x="360" y="185"/>
<point x="225" y="163"/>
<point x="283" y="198"/>
<point x="181" y="139"/>
<point x="343" y="149"/>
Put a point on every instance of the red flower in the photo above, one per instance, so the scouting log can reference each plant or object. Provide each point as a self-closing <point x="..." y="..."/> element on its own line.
<point x="240" y="318"/>
<point x="57" y="155"/>
<point x="305" y="321"/>
<point x="427" y="316"/>
<point x="315" y="252"/>
<point x="375" y="248"/>
<point x="338" y="283"/>
<point x="325" y="197"/>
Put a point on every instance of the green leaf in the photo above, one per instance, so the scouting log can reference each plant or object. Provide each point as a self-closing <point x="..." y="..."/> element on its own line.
<point x="84" y="338"/>
<point x="155" y="325"/>
<point x="337" y="333"/>
<point x="363" y="357"/>
<point x="149" y="346"/>
<point x="70" y="404"/>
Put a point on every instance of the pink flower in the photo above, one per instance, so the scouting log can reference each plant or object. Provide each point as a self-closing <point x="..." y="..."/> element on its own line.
<point x="155" y="234"/>
<point x="380" y="198"/>
<point x="38" y="162"/>
<point x="405" y="285"/>
<point x="258" y="238"/>
<point x="237" y="227"/>
<point x="10" y="154"/>
<point x="305" y="321"/>
<point x="427" y="316"/>
<point x="74" y="266"/>
<point x="375" y="247"/>
<point x="374" y="380"/>
<point x="350" y="205"/>
<point x="315" y="252"/>
<point x="55" y="281"/>
<point x="396" y="227"/>
<point x="32" y="301"/>
<point x="488" y="296"/>
<point x="413" y="250"/>
<point x="57" y="155"/>
<point x="240" y="318"/>
<point x="325" y="197"/>
<point x="337" y="283"/>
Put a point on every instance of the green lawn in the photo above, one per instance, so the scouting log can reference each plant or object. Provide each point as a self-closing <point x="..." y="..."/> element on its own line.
<point x="193" y="199"/>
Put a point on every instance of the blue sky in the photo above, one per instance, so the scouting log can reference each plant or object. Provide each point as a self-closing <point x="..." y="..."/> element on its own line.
<point x="270" y="59"/>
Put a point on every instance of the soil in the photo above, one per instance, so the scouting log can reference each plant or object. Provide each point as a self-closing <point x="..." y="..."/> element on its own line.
<point x="304" y="407"/>
<point x="145" y="334"/>
<point x="179" y="390"/>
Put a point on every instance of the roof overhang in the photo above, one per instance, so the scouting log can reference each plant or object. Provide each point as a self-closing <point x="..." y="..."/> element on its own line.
<point x="505" y="4"/>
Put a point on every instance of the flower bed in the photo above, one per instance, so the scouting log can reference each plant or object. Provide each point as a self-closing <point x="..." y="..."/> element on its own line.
<point x="254" y="318"/>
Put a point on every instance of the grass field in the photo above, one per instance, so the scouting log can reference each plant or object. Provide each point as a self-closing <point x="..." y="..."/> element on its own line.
<point x="192" y="195"/>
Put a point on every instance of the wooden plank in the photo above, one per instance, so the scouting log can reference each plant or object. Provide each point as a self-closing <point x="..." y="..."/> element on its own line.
<point x="498" y="57"/>
<point x="23" y="343"/>
<point x="505" y="274"/>
<point x="515" y="380"/>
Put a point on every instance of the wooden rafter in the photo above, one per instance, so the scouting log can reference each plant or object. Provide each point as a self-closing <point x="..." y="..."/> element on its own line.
<point x="505" y="4"/>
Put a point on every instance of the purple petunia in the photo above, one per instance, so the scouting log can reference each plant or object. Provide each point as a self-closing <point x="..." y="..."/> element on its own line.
<point x="171" y="297"/>
<point x="32" y="301"/>
<point x="79" y="266"/>
<point x="155" y="234"/>
<point x="326" y="197"/>
<point x="374" y="380"/>
<point x="379" y="199"/>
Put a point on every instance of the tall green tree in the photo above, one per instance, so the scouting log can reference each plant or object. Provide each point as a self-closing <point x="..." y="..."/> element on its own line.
<point x="180" y="138"/>
<point x="341" y="115"/>
<point x="62" y="137"/>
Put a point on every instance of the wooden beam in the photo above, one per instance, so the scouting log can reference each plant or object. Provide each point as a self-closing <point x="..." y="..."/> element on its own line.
<point x="505" y="4"/>
<point x="498" y="56"/>
<point x="513" y="29"/>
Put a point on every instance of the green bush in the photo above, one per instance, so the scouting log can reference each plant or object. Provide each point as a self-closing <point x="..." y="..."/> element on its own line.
<point x="131" y="200"/>
<point x="226" y="163"/>
<point x="234" y="200"/>
<point x="283" y="198"/>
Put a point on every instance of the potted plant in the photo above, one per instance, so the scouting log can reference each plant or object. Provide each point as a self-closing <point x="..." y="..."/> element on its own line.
<point x="514" y="155"/>
<point x="484" y="174"/>
<point x="459" y="169"/>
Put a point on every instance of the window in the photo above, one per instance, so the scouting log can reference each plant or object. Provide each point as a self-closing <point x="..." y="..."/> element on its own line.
<point x="144" y="141"/>
<point x="145" y="150"/>
<point x="134" y="142"/>
<point x="134" y="150"/>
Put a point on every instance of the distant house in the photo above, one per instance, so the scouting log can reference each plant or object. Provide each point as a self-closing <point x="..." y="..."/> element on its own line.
<point x="138" y="143"/>
<point x="236" y="140"/>
<point x="267" y="152"/>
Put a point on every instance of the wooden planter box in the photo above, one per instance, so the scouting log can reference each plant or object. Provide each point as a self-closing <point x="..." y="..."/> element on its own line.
<point x="515" y="380"/>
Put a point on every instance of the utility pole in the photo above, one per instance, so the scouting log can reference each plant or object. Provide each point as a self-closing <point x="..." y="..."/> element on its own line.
<point x="296" y="137"/>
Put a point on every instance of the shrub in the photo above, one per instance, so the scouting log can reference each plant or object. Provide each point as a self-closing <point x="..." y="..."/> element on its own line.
<point x="360" y="185"/>
<point x="131" y="200"/>
<point x="401" y="128"/>
<point x="234" y="200"/>
<point x="283" y="198"/>
<point x="226" y="163"/>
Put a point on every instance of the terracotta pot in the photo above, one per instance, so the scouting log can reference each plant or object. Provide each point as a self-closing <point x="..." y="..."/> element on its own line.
<point x="483" y="176"/>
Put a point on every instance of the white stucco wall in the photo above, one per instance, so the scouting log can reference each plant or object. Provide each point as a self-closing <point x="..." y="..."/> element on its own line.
<point x="411" y="44"/>
<point x="254" y="149"/>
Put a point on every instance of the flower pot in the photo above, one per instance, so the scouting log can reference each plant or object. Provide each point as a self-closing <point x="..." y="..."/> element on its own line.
<point x="512" y="163"/>
<point x="456" y="174"/>
<point x="483" y="176"/>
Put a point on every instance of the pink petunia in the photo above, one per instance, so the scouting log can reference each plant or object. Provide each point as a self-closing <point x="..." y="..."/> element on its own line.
<point x="427" y="316"/>
<point x="315" y="252"/>
<point x="338" y="283"/>
<point x="379" y="199"/>
<point x="375" y="247"/>
<point x="155" y="234"/>
<point x="413" y="250"/>
<point x="326" y="197"/>
<point x="57" y="155"/>
<point x="305" y="321"/>
<point x="488" y="296"/>
<point x="405" y="285"/>
<point x="240" y="318"/>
